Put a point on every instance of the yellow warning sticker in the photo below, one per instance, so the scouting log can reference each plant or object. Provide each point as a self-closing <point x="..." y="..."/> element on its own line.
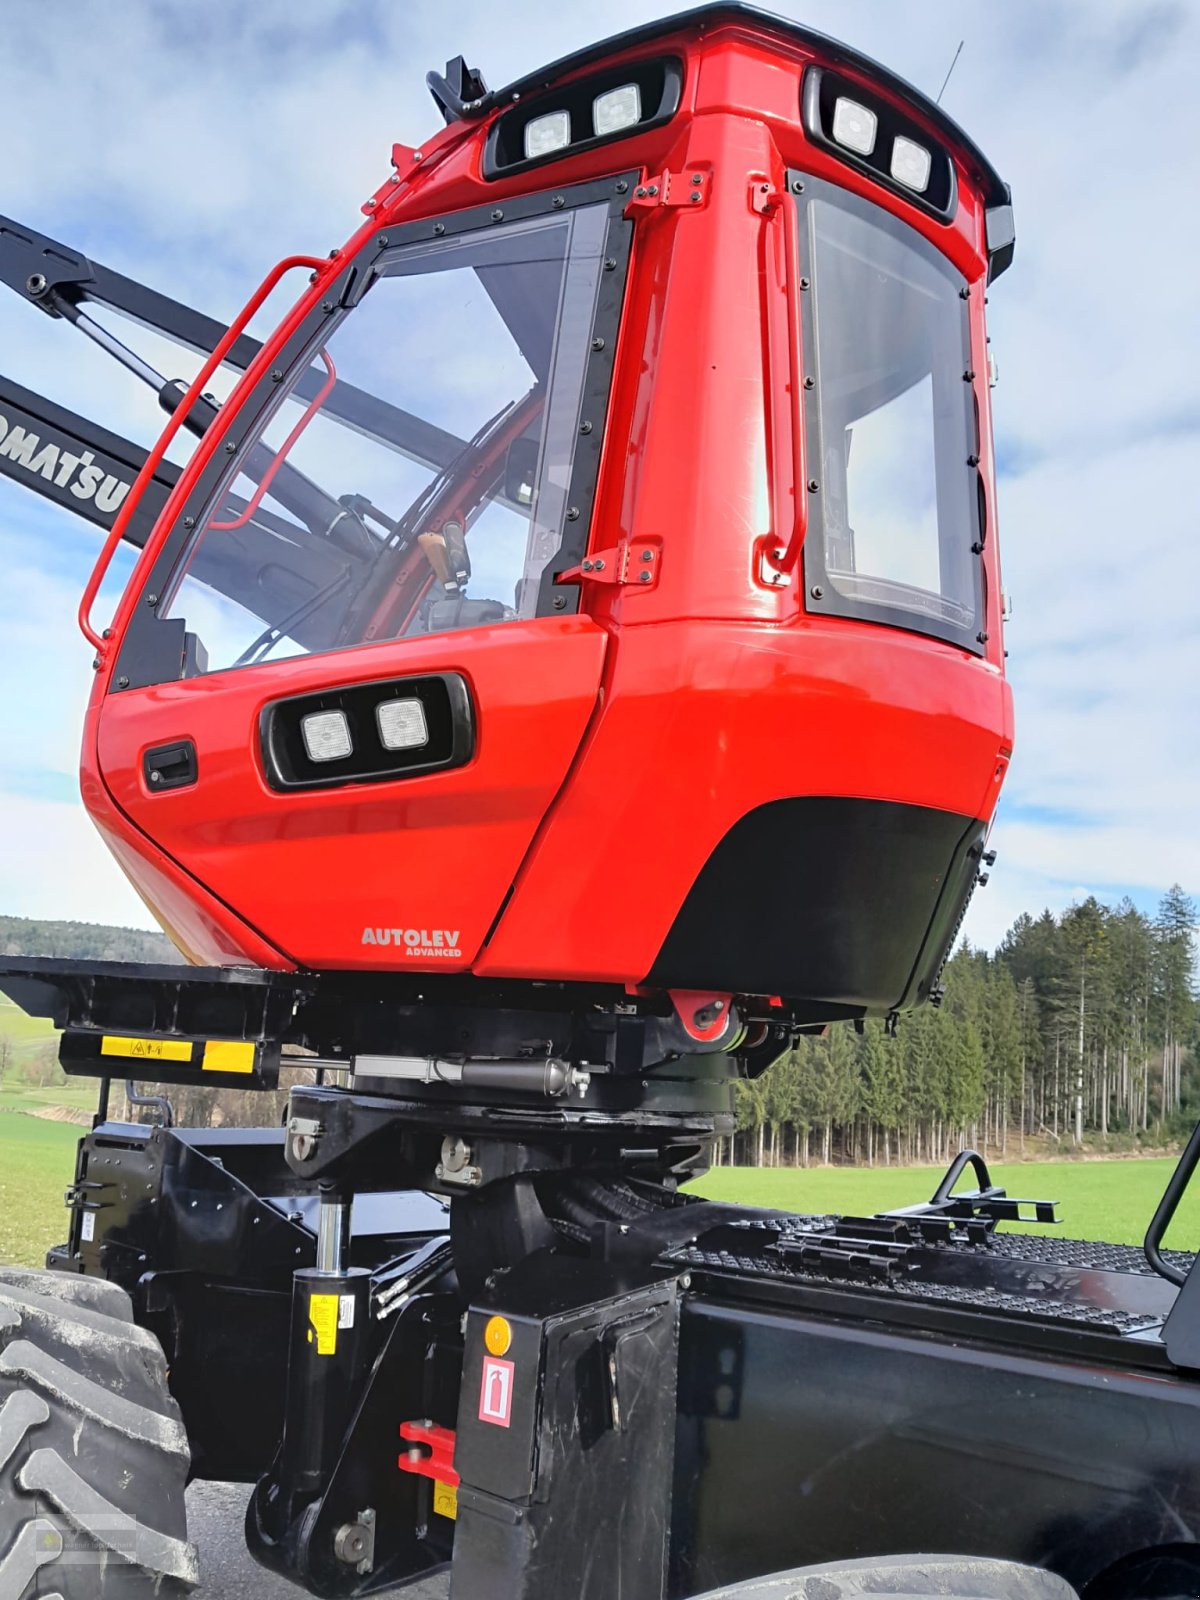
<point x="445" y="1500"/>
<point x="323" y="1322"/>
<point x="112" y="1044"/>
<point x="228" y="1055"/>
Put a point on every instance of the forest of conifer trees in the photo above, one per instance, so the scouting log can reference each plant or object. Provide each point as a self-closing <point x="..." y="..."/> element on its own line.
<point x="1079" y="1028"/>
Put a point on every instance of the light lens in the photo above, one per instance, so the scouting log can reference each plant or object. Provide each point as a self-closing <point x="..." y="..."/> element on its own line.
<point x="911" y="164"/>
<point x="326" y="735"/>
<point x="854" y="126"/>
<point x="617" y="109"/>
<point x="545" y="135"/>
<point x="402" y="724"/>
<point x="497" y="1336"/>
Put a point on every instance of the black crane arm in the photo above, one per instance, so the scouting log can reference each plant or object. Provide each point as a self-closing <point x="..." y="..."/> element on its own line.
<point x="84" y="468"/>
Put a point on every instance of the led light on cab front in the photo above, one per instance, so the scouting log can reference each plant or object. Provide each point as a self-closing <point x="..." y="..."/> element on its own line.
<point x="911" y="164"/>
<point x="326" y="735"/>
<point x="854" y="126"/>
<point x="545" y="135"/>
<point x="402" y="724"/>
<point x="617" y="109"/>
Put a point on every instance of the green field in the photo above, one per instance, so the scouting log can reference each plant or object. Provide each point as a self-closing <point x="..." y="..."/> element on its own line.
<point x="37" y="1162"/>
<point x="1110" y="1200"/>
<point x="25" y="1033"/>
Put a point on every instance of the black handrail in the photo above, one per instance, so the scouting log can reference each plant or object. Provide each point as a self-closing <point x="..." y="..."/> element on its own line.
<point x="1167" y="1207"/>
<point x="955" y="1171"/>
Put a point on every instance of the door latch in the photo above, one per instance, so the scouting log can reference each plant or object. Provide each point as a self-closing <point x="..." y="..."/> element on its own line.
<point x="170" y="766"/>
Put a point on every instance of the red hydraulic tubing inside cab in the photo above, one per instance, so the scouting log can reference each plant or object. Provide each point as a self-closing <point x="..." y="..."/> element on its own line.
<point x="672" y="658"/>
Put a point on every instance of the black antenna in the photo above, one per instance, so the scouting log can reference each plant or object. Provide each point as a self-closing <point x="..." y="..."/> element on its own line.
<point x="953" y="64"/>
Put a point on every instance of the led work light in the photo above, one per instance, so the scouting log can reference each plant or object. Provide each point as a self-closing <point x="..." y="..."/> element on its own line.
<point x="545" y="135"/>
<point x="617" y="109"/>
<point x="401" y="724"/>
<point x="854" y="126"/>
<point x="326" y="735"/>
<point x="911" y="164"/>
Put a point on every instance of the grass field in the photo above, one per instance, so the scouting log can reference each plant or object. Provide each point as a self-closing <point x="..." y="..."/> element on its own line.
<point x="25" y="1032"/>
<point x="37" y="1162"/>
<point x="79" y="1095"/>
<point x="1111" y="1200"/>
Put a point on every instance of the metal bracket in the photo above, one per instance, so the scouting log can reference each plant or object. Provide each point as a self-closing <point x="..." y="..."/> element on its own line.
<point x="635" y="563"/>
<point x="430" y="1452"/>
<point x="669" y="189"/>
<point x="304" y="1133"/>
<point x="764" y="197"/>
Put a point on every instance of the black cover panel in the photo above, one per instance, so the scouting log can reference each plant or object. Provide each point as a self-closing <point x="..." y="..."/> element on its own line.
<point x="848" y="905"/>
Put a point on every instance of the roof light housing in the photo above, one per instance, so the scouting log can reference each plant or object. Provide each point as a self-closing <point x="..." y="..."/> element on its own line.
<point x="614" y="104"/>
<point x="858" y="126"/>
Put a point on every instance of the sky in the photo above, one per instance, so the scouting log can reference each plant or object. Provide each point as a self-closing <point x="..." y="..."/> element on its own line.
<point x="192" y="146"/>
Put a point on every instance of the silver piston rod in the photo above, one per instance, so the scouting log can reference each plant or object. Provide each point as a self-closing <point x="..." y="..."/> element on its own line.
<point x="333" y="1231"/>
<point x="548" y="1076"/>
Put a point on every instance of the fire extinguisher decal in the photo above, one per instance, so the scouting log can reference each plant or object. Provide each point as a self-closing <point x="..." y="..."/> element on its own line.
<point x="495" y="1392"/>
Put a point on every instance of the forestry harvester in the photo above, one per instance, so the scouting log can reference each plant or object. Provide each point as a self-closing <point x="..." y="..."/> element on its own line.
<point x="568" y="667"/>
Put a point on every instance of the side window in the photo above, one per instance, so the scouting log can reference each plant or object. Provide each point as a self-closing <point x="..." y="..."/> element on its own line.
<point x="412" y="477"/>
<point x="894" y="522"/>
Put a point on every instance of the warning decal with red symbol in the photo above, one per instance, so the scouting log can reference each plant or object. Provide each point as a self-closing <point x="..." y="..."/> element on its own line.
<point x="495" y="1394"/>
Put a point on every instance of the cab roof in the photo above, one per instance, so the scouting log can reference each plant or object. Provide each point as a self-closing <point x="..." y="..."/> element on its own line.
<point x="456" y="106"/>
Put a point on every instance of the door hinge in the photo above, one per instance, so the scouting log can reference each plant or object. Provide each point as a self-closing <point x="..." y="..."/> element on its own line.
<point x="687" y="188"/>
<point x="635" y="563"/>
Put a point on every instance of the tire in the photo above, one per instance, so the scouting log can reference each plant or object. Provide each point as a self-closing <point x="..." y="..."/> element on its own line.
<point x="904" y="1578"/>
<point x="93" y="1453"/>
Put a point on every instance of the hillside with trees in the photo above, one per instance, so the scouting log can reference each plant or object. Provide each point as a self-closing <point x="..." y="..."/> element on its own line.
<point x="1082" y="1027"/>
<point x="85" y="941"/>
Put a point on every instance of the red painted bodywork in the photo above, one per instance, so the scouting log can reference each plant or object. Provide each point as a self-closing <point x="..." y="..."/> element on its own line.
<point x="618" y="747"/>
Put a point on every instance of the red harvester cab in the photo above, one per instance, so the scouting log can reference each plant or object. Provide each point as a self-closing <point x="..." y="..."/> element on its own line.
<point x="594" y="579"/>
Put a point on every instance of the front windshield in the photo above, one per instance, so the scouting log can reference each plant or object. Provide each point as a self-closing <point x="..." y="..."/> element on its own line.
<point x="893" y="534"/>
<point x="412" y="477"/>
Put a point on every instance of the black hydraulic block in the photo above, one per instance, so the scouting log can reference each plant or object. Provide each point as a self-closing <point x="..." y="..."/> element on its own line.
<point x="566" y="1434"/>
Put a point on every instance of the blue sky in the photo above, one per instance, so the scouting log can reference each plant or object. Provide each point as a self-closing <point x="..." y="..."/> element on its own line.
<point x="191" y="146"/>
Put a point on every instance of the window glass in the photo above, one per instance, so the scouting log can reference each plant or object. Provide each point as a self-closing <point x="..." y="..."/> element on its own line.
<point x="412" y="476"/>
<point x="896" y="517"/>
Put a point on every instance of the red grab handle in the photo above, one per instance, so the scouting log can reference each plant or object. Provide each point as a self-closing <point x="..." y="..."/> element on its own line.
<point x="174" y="423"/>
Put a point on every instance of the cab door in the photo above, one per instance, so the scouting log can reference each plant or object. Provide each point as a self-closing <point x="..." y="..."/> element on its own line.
<point x="352" y="685"/>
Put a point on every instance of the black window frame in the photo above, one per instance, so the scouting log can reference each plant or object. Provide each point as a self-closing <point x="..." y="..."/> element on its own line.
<point x="157" y="649"/>
<point x="821" y="595"/>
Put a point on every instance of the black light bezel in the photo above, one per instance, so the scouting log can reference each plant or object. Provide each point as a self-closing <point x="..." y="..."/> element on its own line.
<point x="449" y="719"/>
<point x="660" y="83"/>
<point x="820" y="90"/>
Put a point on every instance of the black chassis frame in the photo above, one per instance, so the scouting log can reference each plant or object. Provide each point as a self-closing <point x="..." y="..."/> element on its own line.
<point x="707" y="1392"/>
<point x="711" y="1392"/>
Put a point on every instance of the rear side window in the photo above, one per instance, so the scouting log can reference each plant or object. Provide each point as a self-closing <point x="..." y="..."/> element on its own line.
<point x="893" y="522"/>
